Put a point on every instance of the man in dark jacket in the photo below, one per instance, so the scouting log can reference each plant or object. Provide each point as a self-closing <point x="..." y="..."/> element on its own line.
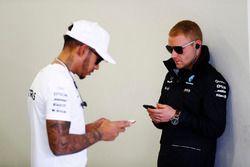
<point x="192" y="107"/>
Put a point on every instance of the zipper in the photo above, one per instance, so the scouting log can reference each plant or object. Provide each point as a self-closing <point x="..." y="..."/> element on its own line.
<point x="187" y="147"/>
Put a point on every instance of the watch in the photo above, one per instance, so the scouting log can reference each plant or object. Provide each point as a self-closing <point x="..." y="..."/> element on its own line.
<point x="175" y="119"/>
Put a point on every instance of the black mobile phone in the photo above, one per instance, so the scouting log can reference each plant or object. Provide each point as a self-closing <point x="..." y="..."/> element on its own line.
<point x="146" y="106"/>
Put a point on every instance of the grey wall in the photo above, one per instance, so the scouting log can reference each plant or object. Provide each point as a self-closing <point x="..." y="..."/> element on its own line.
<point x="31" y="37"/>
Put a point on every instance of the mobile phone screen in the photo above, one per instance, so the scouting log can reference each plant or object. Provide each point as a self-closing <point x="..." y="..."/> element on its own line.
<point x="146" y="106"/>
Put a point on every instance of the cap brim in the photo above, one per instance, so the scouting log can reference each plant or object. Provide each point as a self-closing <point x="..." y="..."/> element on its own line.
<point x="106" y="57"/>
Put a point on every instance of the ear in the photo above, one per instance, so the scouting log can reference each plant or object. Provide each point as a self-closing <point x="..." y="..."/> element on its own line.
<point x="198" y="44"/>
<point x="83" y="50"/>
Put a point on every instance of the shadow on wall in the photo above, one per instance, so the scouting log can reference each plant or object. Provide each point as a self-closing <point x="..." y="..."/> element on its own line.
<point x="227" y="154"/>
<point x="226" y="143"/>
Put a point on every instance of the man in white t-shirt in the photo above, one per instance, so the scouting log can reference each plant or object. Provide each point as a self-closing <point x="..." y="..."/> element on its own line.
<point x="59" y="135"/>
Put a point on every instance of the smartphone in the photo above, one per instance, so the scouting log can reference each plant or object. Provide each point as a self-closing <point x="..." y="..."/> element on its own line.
<point x="146" y="106"/>
<point x="132" y="121"/>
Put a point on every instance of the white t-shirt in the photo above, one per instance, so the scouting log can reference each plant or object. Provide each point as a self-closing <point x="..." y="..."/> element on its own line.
<point x="53" y="96"/>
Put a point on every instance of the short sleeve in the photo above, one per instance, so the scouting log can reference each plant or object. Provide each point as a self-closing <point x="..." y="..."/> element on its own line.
<point x="58" y="103"/>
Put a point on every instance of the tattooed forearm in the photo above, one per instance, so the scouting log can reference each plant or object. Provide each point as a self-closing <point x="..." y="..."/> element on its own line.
<point x="97" y="135"/>
<point x="61" y="142"/>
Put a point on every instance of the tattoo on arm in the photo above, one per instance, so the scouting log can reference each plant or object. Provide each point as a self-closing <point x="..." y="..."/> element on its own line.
<point x="61" y="142"/>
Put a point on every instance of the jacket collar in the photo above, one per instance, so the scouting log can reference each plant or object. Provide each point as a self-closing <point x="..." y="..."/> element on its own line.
<point x="202" y="60"/>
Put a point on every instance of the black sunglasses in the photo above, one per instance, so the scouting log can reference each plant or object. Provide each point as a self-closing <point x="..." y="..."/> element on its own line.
<point x="99" y="58"/>
<point x="178" y="49"/>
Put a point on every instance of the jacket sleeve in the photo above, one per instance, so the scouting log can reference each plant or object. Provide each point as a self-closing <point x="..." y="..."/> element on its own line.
<point x="211" y="120"/>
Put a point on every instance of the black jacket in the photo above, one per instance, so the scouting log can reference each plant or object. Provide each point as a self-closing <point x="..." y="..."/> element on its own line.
<point x="200" y="94"/>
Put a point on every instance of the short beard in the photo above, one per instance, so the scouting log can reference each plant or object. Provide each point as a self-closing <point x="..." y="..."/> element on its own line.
<point x="82" y="77"/>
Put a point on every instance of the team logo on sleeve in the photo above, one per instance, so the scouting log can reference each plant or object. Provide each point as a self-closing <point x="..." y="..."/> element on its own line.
<point x="221" y="89"/>
<point x="59" y="103"/>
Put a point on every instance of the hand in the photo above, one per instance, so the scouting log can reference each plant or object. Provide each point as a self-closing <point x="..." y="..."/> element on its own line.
<point x="110" y="130"/>
<point x="95" y="125"/>
<point x="122" y="125"/>
<point x="163" y="113"/>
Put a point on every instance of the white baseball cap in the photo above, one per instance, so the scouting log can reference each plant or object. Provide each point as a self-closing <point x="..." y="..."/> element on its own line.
<point x="93" y="35"/>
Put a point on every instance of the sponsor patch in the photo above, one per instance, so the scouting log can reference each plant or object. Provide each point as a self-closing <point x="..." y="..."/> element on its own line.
<point x="169" y="81"/>
<point x="187" y="90"/>
<point x="32" y="94"/>
<point x="221" y="89"/>
<point x="60" y="94"/>
<point x="190" y="79"/>
<point x="219" y="86"/>
<point x="189" y="83"/>
<point x="220" y="95"/>
<point x="166" y="88"/>
<point x="218" y="81"/>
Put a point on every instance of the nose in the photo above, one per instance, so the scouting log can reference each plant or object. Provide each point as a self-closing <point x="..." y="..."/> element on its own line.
<point x="174" y="54"/>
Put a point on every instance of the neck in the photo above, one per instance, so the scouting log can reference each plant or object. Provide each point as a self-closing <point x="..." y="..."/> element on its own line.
<point x="194" y="60"/>
<point x="64" y="59"/>
<point x="59" y="61"/>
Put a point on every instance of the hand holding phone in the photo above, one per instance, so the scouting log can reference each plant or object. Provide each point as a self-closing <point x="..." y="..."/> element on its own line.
<point x="146" y="106"/>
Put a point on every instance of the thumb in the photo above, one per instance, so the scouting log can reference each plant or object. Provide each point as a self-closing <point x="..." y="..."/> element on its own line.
<point x="161" y="106"/>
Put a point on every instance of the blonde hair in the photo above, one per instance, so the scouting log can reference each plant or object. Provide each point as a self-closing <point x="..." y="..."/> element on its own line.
<point x="188" y="29"/>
